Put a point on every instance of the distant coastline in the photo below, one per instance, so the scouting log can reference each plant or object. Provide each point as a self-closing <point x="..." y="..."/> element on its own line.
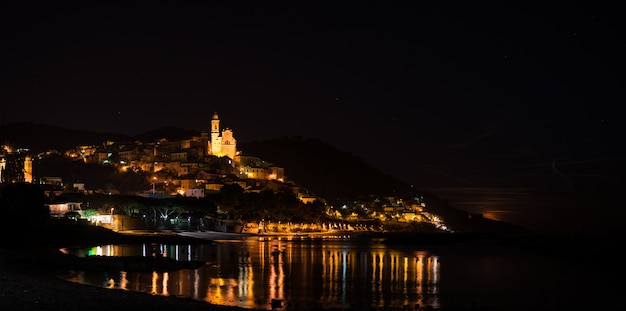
<point x="541" y="212"/>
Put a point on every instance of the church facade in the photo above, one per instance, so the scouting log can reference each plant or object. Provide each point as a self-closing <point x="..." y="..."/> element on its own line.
<point x="223" y="143"/>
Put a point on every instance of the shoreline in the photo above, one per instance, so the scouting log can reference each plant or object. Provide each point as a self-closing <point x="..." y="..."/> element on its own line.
<point x="24" y="287"/>
<point x="28" y="278"/>
<point x="28" y="281"/>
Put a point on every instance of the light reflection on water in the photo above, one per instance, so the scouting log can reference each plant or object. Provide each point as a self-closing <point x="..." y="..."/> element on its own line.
<point x="250" y="273"/>
<point x="316" y="273"/>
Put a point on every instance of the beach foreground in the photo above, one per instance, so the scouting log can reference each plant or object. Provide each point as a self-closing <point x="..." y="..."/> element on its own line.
<point x="28" y="280"/>
<point x="23" y="287"/>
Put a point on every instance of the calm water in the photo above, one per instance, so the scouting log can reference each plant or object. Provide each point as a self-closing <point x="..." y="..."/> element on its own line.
<point x="544" y="213"/>
<point x="314" y="273"/>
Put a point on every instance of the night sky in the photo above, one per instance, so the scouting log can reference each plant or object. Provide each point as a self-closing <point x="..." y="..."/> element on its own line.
<point x="490" y="95"/>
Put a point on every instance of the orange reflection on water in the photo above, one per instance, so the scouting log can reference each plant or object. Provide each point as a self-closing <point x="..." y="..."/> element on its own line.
<point x="123" y="280"/>
<point x="165" y="279"/>
<point x="253" y="274"/>
<point x="221" y="291"/>
<point x="155" y="278"/>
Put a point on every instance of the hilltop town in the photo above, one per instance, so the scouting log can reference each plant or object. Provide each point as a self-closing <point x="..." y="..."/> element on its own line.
<point x="187" y="167"/>
<point x="209" y="168"/>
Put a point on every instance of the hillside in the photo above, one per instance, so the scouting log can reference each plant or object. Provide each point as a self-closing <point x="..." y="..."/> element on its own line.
<point x="325" y="170"/>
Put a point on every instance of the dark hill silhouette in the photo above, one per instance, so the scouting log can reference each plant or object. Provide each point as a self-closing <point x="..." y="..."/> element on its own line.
<point x="325" y="170"/>
<point x="168" y="132"/>
<point x="41" y="137"/>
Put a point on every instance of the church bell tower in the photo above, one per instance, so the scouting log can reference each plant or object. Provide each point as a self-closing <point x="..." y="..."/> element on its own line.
<point x="216" y="141"/>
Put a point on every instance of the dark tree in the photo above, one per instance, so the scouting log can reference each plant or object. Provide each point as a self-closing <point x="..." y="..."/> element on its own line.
<point x="233" y="198"/>
<point x="23" y="206"/>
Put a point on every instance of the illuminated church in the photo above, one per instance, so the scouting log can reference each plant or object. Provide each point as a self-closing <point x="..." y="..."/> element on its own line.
<point x="222" y="144"/>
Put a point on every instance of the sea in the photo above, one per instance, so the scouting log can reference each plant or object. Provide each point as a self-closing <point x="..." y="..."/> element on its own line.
<point x="541" y="212"/>
<point x="308" y="273"/>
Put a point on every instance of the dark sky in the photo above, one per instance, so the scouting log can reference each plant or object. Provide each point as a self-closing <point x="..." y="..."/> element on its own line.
<point x="478" y="95"/>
